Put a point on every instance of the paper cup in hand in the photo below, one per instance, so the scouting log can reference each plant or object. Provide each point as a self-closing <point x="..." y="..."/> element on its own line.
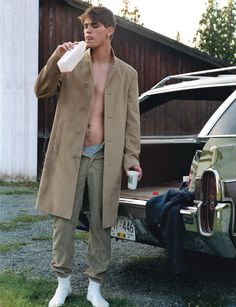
<point x="72" y="57"/>
<point x="132" y="180"/>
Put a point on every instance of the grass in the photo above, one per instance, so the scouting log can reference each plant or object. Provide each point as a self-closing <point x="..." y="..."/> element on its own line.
<point x="18" y="290"/>
<point x="147" y="262"/>
<point x="9" y="247"/>
<point x="16" y="192"/>
<point x="30" y="218"/>
<point x="81" y="235"/>
<point x="42" y="238"/>
<point x="25" y="187"/>
<point x="207" y="299"/>
<point x="8" y="226"/>
<point x="28" y="184"/>
<point x="140" y="259"/>
<point x="21" y="221"/>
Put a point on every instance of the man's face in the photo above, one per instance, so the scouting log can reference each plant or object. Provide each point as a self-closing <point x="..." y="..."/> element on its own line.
<point x="95" y="33"/>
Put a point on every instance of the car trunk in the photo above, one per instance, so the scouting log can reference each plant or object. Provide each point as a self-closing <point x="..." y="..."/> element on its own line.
<point x="164" y="163"/>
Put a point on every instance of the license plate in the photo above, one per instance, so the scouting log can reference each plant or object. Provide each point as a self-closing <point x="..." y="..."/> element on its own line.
<point x="124" y="229"/>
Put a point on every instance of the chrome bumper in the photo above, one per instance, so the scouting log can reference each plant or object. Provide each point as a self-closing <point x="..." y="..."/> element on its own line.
<point x="219" y="240"/>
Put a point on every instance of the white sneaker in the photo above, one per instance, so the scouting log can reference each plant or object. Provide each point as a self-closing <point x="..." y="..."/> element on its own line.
<point x="94" y="295"/>
<point x="62" y="291"/>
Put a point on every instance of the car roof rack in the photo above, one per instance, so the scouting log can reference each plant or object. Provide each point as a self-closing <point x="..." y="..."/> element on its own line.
<point x="194" y="75"/>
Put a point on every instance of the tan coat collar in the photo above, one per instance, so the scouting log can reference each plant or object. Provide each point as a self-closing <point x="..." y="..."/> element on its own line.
<point x="89" y="56"/>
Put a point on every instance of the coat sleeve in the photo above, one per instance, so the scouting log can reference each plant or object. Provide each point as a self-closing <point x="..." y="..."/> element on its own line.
<point x="49" y="78"/>
<point x="132" y="132"/>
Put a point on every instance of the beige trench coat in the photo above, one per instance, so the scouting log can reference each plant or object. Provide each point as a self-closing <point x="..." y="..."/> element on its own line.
<point x="121" y="129"/>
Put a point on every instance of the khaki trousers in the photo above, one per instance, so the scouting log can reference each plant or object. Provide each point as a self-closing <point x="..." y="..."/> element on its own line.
<point x="99" y="244"/>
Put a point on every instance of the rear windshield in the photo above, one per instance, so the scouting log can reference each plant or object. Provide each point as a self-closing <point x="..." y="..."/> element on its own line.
<point x="178" y="117"/>
<point x="185" y="112"/>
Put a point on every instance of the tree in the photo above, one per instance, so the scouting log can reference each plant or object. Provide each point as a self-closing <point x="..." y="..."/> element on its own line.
<point x="217" y="31"/>
<point x="132" y="15"/>
<point x="126" y="12"/>
<point x="177" y="38"/>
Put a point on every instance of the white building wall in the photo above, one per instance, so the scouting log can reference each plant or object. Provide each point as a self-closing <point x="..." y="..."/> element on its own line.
<point x="18" y="105"/>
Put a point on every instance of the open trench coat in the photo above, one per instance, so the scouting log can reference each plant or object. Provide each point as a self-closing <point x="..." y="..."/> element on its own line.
<point x="121" y="133"/>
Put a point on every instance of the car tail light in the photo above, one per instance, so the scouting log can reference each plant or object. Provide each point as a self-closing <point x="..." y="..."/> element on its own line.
<point x="207" y="209"/>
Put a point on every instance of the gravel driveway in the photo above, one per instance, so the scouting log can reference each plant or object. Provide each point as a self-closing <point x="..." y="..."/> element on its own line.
<point x="139" y="273"/>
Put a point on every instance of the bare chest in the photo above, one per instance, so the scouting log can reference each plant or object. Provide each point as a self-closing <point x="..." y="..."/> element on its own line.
<point x="99" y="73"/>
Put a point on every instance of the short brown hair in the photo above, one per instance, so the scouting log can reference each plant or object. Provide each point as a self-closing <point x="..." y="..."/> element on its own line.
<point x="99" y="14"/>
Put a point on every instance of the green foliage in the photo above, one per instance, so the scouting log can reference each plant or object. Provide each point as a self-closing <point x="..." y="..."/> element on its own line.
<point x="206" y="299"/>
<point x="21" y="221"/>
<point x="26" y="184"/>
<point x="16" y="192"/>
<point x="9" y="247"/>
<point x="42" y="238"/>
<point x="30" y="218"/>
<point x="177" y="38"/>
<point x="18" y="290"/>
<point x="82" y="236"/>
<point x="132" y="15"/>
<point x="217" y="31"/>
<point x="8" y="226"/>
<point x="15" y="187"/>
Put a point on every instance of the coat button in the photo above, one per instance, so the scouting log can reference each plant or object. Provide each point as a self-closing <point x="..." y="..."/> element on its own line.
<point x="75" y="155"/>
<point x="76" y="131"/>
<point x="82" y="108"/>
<point x="86" y="84"/>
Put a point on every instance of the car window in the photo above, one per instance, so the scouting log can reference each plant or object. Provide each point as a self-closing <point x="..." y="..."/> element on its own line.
<point x="177" y="117"/>
<point x="226" y="124"/>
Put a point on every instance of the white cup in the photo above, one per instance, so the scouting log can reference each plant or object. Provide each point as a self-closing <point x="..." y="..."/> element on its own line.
<point x="132" y="180"/>
<point x="185" y="178"/>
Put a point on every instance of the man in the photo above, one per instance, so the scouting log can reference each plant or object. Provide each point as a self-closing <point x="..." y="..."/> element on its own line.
<point x="95" y="136"/>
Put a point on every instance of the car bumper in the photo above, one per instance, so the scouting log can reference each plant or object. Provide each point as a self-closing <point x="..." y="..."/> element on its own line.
<point x="220" y="240"/>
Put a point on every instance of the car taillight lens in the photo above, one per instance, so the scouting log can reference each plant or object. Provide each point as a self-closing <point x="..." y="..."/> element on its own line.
<point x="207" y="210"/>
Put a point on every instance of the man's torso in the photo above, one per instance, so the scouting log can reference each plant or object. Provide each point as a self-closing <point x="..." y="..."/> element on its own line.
<point x="95" y="129"/>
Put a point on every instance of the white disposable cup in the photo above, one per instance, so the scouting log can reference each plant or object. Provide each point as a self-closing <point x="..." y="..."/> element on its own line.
<point x="72" y="57"/>
<point x="132" y="180"/>
<point x="185" y="178"/>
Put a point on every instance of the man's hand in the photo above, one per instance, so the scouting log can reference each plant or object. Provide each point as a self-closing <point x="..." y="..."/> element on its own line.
<point x="61" y="49"/>
<point x="136" y="168"/>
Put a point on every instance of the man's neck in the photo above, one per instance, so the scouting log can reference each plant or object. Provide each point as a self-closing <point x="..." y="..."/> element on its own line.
<point x="101" y="55"/>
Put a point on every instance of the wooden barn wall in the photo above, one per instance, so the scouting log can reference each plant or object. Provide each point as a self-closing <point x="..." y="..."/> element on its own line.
<point x="153" y="61"/>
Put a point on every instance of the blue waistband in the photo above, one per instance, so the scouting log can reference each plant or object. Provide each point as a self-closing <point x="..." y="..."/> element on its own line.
<point x="90" y="151"/>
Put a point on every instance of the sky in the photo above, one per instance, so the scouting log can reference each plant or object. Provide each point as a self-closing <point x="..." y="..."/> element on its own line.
<point x="167" y="17"/>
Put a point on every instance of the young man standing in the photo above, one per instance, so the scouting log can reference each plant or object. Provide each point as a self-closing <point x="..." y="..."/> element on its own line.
<point x="95" y="136"/>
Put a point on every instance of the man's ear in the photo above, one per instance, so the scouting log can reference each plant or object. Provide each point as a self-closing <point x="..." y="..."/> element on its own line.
<point x="110" y="31"/>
